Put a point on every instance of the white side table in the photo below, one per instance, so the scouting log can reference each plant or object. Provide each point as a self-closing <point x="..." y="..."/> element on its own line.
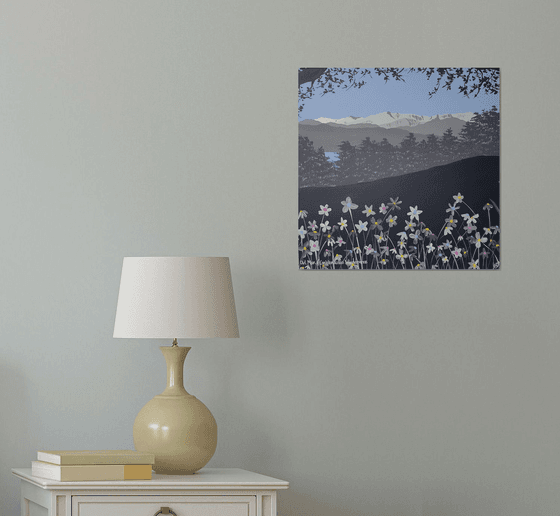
<point x="209" y="492"/>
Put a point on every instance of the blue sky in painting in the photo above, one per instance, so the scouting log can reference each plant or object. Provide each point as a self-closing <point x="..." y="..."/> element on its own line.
<point x="408" y="97"/>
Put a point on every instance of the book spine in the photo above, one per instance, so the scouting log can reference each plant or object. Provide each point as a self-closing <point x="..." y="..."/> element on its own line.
<point x="92" y="472"/>
<point x="78" y="459"/>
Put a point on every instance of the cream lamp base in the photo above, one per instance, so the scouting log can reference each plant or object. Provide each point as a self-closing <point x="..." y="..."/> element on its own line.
<point x="175" y="426"/>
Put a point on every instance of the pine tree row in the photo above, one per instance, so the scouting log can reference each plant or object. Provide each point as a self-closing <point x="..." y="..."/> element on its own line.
<point x="373" y="160"/>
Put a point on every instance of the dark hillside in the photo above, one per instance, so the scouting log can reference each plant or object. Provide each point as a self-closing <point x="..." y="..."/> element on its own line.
<point x="477" y="179"/>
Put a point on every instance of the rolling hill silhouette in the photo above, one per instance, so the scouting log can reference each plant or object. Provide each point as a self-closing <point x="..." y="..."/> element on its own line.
<point x="477" y="179"/>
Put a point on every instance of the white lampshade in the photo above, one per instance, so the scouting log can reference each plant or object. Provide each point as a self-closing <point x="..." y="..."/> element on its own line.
<point x="176" y="297"/>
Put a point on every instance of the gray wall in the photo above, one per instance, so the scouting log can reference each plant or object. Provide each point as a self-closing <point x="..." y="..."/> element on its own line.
<point x="146" y="128"/>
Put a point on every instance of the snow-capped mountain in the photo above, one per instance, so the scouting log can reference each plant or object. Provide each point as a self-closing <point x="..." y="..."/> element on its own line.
<point x="390" y="120"/>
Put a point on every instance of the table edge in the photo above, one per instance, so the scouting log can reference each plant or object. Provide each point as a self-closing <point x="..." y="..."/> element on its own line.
<point x="45" y="483"/>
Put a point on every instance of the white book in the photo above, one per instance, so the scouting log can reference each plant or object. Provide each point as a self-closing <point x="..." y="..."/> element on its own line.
<point x="73" y="457"/>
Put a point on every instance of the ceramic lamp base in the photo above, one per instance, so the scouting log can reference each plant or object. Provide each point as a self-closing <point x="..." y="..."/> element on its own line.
<point x="175" y="426"/>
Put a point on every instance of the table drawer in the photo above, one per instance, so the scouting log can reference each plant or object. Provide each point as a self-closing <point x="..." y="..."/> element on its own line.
<point x="149" y="505"/>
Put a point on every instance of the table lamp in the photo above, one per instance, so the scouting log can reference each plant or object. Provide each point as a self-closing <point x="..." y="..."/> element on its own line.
<point x="173" y="298"/>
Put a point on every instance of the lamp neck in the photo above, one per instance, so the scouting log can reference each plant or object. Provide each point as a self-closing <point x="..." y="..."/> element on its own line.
<point x="175" y="358"/>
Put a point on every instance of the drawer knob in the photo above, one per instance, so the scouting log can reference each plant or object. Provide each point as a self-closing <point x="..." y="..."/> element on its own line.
<point x="165" y="510"/>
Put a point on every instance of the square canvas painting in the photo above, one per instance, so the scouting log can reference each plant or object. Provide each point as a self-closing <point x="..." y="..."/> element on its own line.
<point x="399" y="168"/>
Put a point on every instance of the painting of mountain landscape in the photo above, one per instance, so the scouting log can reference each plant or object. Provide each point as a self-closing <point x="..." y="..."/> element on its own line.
<point x="399" y="168"/>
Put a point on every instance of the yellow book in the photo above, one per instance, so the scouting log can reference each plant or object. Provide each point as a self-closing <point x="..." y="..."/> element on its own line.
<point x="75" y="457"/>
<point x="91" y="471"/>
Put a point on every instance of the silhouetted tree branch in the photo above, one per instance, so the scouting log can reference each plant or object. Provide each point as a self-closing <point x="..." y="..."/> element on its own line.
<point x="473" y="81"/>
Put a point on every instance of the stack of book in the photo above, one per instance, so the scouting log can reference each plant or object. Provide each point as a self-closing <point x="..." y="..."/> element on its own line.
<point x="73" y="465"/>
